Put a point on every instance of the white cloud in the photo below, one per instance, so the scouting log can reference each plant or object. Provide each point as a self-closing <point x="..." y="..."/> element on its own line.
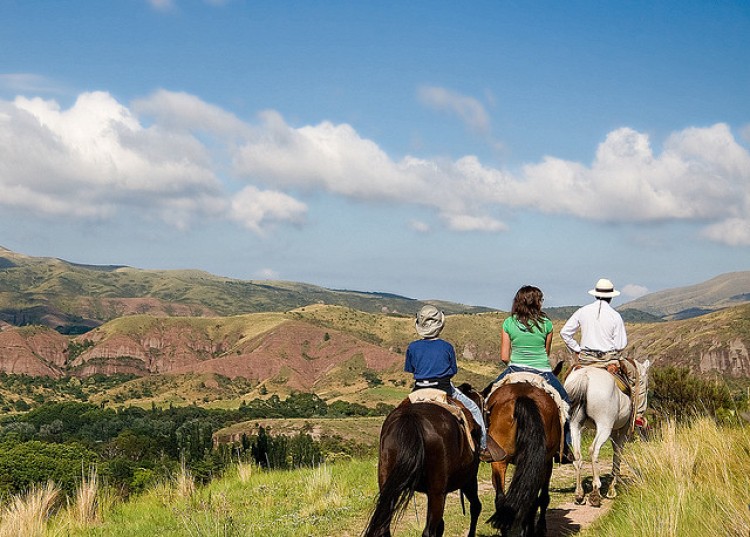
<point x="27" y="83"/>
<point x="464" y="222"/>
<point x="701" y="174"/>
<point x="468" y="109"/>
<point x="169" y="5"/>
<point x="255" y="209"/>
<point x="325" y="156"/>
<point x="168" y="155"/>
<point x="419" y="226"/>
<point x="184" y="112"/>
<point x="732" y="231"/>
<point x="745" y="133"/>
<point x="267" y="274"/>
<point x="633" y="291"/>
<point x="94" y="157"/>
<point x="162" y="5"/>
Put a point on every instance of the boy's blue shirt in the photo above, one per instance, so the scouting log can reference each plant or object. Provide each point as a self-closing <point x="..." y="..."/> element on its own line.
<point x="430" y="359"/>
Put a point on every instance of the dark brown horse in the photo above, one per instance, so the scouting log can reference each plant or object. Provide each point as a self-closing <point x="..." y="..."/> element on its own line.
<point x="423" y="448"/>
<point x="525" y="421"/>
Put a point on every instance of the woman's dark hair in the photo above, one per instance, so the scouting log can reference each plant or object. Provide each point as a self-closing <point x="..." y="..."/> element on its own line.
<point x="527" y="306"/>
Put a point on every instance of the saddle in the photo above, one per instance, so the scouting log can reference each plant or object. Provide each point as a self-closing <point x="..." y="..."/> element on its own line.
<point x="620" y="379"/>
<point x="440" y="398"/>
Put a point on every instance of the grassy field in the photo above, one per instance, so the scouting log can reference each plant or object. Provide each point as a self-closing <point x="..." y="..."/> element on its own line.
<point x="687" y="481"/>
<point x="362" y="430"/>
<point x="690" y="481"/>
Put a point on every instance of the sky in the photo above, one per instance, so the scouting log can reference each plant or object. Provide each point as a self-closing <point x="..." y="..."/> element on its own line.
<point x="436" y="150"/>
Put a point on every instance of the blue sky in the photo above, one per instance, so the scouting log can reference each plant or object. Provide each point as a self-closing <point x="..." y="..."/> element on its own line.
<point x="431" y="149"/>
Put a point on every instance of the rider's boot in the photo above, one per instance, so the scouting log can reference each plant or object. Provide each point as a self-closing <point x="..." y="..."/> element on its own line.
<point x="493" y="452"/>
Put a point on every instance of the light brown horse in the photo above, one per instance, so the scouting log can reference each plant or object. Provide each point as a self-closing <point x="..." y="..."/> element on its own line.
<point x="424" y="448"/>
<point x="525" y="421"/>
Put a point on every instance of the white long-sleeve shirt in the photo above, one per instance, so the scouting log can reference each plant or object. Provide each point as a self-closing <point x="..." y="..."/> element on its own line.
<point x="602" y="328"/>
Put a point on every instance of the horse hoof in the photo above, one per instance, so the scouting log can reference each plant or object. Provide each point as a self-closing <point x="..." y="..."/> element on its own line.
<point x="611" y="494"/>
<point x="580" y="500"/>
<point x="595" y="501"/>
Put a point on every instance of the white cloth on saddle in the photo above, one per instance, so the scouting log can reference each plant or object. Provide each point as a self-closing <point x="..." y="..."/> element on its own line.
<point x="539" y="382"/>
<point x="440" y="398"/>
<point x="428" y="395"/>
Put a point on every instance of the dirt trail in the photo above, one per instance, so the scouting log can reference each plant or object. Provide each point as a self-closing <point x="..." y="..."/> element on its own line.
<point x="568" y="518"/>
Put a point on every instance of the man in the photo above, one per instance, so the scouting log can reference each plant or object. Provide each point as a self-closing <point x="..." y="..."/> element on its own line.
<point x="603" y="339"/>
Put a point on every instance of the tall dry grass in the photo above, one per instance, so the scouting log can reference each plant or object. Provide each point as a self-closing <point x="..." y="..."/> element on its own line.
<point x="26" y="515"/>
<point x="184" y="482"/>
<point x="691" y="480"/>
<point x="85" y="508"/>
<point x="245" y="470"/>
<point x="322" y="492"/>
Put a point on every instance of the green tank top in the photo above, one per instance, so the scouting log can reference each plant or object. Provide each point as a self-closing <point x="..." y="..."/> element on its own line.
<point x="527" y="345"/>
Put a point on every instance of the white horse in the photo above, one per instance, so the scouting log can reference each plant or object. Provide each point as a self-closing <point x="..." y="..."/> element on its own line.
<point x="597" y="402"/>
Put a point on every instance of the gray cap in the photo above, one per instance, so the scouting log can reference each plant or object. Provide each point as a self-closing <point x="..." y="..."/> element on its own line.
<point x="430" y="321"/>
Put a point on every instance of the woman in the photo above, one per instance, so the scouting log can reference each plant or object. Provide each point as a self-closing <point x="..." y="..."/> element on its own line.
<point x="526" y="343"/>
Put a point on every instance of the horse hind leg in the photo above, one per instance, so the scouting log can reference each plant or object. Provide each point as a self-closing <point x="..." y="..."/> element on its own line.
<point x="575" y="436"/>
<point x="541" y="526"/>
<point x="471" y="492"/>
<point x="618" y="439"/>
<point x="435" y="525"/>
<point x="580" y="497"/>
<point x="602" y="434"/>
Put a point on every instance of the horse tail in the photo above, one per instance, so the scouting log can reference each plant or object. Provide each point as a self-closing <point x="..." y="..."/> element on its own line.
<point x="577" y="385"/>
<point x="530" y="461"/>
<point x="403" y="476"/>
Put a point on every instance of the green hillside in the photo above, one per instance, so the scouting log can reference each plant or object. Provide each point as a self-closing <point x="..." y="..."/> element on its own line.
<point x="73" y="298"/>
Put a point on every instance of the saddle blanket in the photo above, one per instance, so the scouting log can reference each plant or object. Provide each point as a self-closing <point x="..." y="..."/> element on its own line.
<point x="539" y="382"/>
<point x="440" y="398"/>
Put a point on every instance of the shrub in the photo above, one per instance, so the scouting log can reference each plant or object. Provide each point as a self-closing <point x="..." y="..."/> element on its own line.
<point x="677" y="393"/>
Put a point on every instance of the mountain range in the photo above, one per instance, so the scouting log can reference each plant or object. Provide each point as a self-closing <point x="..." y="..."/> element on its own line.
<point x="282" y="336"/>
<point x="723" y="291"/>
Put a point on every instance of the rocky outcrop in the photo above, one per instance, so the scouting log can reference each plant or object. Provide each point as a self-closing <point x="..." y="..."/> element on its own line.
<point x="33" y="354"/>
<point x="301" y="353"/>
<point x="732" y="360"/>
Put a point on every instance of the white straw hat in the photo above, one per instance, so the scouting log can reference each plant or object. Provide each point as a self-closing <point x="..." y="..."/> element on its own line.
<point x="604" y="289"/>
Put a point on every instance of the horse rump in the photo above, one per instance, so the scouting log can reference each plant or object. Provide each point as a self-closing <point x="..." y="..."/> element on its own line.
<point x="405" y="438"/>
<point x="530" y="461"/>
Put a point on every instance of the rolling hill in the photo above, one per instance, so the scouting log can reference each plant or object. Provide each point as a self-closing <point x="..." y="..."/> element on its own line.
<point x="335" y="352"/>
<point x="73" y="298"/>
<point x="724" y="291"/>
